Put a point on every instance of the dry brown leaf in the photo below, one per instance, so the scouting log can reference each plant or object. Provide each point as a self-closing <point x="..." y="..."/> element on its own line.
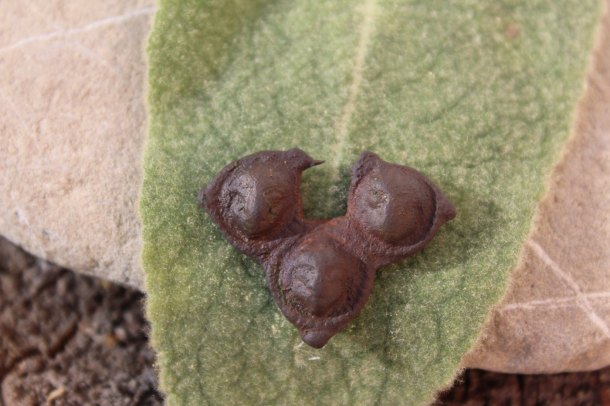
<point x="73" y="124"/>
<point x="73" y="120"/>
<point x="556" y="313"/>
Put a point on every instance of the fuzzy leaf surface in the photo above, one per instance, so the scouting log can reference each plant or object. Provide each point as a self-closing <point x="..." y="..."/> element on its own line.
<point x="476" y="95"/>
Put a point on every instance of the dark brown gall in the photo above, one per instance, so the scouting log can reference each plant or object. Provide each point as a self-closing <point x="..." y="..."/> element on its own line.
<point x="259" y="199"/>
<point x="318" y="277"/>
<point x="394" y="204"/>
<point x="256" y="200"/>
<point x="321" y="272"/>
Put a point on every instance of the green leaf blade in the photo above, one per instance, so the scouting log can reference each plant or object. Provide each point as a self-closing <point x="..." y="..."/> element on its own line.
<point x="476" y="96"/>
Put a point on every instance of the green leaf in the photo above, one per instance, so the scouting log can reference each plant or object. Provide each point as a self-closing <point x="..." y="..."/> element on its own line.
<point x="476" y="95"/>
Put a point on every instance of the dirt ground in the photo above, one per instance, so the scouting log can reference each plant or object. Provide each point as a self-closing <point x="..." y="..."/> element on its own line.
<point x="476" y="387"/>
<point x="69" y="339"/>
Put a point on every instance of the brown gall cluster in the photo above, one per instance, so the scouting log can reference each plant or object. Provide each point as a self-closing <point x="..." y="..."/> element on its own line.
<point x="321" y="272"/>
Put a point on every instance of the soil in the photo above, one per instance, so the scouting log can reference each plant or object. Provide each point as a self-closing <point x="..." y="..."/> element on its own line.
<point x="69" y="339"/>
<point x="476" y="387"/>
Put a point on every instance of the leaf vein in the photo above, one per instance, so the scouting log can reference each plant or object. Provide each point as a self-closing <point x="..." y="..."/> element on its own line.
<point x="567" y="279"/>
<point x="117" y="19"/>
<point x="342" y="124"/>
